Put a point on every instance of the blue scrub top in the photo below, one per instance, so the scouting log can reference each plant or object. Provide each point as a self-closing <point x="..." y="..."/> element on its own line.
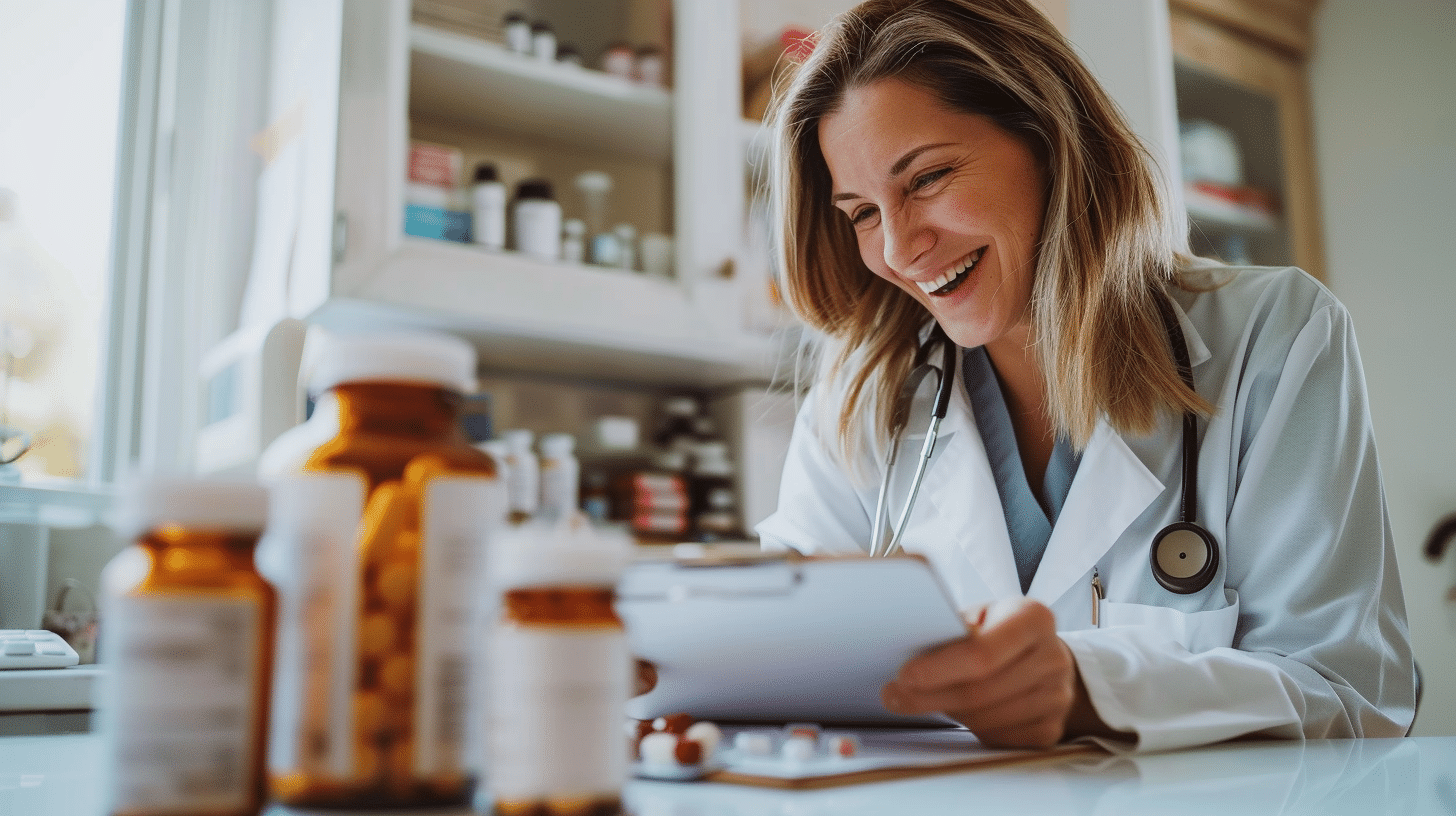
<point x="1028" y="521"/>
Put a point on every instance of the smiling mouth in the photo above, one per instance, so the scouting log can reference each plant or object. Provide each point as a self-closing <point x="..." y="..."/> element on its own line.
<point x="953" y="277"/>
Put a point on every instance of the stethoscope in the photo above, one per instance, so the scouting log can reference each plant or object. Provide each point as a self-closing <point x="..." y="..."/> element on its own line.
<point x="1183" y="556"/>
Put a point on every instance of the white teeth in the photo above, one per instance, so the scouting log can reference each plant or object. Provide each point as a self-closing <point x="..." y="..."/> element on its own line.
<point x="951" y="274"/>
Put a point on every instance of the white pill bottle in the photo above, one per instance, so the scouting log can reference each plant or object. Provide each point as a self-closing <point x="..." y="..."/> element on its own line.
<point x="560" y="671"/>
<point x="560" y="476"/>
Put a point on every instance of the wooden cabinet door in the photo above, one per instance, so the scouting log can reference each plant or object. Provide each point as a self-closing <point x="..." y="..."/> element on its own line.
<point x="1216" y="54"/>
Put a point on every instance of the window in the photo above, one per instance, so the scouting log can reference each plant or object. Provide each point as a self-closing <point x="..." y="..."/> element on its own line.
<point x="60" y="84"/>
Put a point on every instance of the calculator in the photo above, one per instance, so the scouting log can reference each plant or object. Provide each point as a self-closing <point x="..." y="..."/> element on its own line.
<point x="35" y="649"/>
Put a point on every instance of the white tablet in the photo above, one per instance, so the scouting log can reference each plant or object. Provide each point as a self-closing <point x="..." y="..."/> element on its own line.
<point x="782" y="638"/>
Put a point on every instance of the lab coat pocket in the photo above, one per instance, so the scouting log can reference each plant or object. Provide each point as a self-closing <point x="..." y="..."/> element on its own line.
<point x="1195" y="631"/>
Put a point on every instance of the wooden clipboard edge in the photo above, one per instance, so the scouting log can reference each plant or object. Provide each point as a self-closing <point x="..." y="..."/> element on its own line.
<point x="902" y="771"/>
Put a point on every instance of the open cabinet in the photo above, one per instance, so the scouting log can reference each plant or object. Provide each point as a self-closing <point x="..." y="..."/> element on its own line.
<point x="356" y="80"/>
<point x="1239" y="65"/>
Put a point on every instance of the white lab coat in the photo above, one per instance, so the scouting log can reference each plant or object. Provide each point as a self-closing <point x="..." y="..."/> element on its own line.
<point x="1302" y="632"/>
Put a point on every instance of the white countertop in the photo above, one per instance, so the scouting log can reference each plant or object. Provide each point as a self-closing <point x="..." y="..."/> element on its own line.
<point x="58" y="776"/>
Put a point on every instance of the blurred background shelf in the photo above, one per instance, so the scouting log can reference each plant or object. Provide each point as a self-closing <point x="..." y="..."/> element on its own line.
<point x="478" y="82"/>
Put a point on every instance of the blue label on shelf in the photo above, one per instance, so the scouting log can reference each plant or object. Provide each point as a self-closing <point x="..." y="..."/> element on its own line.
<point x="434" y="222"/>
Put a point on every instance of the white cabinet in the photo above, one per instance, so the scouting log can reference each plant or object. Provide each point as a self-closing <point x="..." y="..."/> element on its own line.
<point x="353" y="266"/>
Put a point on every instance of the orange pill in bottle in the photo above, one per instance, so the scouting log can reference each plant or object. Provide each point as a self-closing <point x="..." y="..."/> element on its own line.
<point x="187" y="639"/>
<point x="382" y="512"/>
<point x="560" y="672"/>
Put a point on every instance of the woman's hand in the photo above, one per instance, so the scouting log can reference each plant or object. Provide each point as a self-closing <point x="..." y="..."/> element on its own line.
<point x="1010" y="680"/>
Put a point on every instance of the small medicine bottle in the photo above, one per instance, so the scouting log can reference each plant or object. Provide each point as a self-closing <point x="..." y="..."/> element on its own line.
<point x="523" y="491"/>
<point x="712" y="499"/>
<point x="573" y="242"/>
<point x="543" y="42"/>
<point x="560" y="672"/>
<point x="379" y="534"/>
<point x="537" y="220"/>
<point x="560" y="476"/>
<point x="518" y="32"/>
<point x="187" y="641"/>
<point x="488" y="208"/>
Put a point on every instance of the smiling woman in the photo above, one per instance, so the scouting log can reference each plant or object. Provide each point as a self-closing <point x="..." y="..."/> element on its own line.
<point x="1155" y="490"/>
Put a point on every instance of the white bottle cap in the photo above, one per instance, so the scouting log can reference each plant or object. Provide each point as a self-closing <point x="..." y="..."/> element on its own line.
<point x="557" y="445"/>
<point x="680" y="406"/>
<point x="565" y="552"/>
<point x="403" y="356"/>
<point x="146" y="503"/>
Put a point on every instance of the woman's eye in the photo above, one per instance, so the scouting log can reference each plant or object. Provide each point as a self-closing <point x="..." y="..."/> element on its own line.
<point x="863" y="215"/>
<point x="927" y="179"/>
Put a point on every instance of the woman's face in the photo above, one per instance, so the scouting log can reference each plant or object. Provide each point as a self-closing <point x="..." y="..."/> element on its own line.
<point x="946" y="205"/>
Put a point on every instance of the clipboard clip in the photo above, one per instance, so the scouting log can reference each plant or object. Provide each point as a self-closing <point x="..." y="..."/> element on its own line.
<point x="727" y="576"/>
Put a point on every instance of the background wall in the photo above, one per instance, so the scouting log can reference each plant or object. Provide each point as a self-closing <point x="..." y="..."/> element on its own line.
<point x="1382" y="76"/>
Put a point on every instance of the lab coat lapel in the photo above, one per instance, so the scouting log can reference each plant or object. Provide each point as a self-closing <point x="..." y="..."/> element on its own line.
<point x="1111" y="489"/>
<point x="963" y="489"/>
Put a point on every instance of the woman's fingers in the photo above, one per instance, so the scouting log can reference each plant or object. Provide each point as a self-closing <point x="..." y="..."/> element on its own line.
<point x="1016" y="633"/>
<point x="1011" y="680"/>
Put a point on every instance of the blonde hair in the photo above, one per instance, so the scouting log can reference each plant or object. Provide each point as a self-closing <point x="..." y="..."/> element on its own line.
<point x="1108" y="247"/>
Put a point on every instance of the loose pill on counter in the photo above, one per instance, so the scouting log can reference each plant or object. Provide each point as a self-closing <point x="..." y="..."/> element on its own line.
<point x="659" y="748"/>
<point x="807" y="730"/>
<point x="688" y="752"/>
<point x="706" y="734"/>
<point x="673" y="723"/>
<point x="798" y="749"/>
<point x="843" y="746"/>
<point x="754" y="743"/>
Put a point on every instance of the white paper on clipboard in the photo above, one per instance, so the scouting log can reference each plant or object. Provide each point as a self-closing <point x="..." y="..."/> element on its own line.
<point x="782" y="640"/>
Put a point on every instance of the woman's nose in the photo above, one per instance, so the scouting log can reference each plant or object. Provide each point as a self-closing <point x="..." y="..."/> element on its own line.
<point x="905" y="238"/>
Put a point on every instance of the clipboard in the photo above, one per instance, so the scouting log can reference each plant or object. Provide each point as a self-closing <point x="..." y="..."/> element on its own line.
<point x="782" y="638"/>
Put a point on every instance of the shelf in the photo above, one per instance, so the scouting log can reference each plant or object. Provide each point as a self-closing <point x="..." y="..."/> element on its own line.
<point x="478" y="82"/>
<point x="582" y="321"/>
<point x="1210" y="212"/>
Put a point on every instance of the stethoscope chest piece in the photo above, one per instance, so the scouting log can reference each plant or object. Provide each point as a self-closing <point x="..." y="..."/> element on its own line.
<point x="1184" y="558"/>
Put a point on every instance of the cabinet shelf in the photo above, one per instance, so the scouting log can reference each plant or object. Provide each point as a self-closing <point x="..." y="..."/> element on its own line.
<point x="1211" y="212"/>
<point x="477" y="82"/>
<point x="529" y="315"/>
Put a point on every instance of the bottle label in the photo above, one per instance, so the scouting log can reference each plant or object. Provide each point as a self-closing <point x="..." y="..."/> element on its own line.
<point x="181" y="702"/>
<point x="458" y="518"/>
<point x="556" y="703"/>
<point x="315" y="519"/>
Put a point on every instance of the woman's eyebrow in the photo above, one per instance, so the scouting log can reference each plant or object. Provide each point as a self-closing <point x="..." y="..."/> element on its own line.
<point x="895" y="169"/>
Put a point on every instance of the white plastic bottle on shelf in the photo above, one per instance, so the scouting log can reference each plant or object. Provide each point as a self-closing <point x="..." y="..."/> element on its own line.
<point x="488" y="206"/>
<point x="573" y="242"/>
<point x="560" y="476"/>
<point x="524" y="471"/>
<point x="538" y="220"/>
<point x="627" y="242"/>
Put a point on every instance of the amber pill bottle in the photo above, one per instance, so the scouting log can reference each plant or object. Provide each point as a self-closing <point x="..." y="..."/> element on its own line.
<point x="187" y="640"/>
<point x="377" y="534"/>
<point x="560" y="673"/>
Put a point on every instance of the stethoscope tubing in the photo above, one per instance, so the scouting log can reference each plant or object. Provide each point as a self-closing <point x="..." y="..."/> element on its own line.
<point x="1188" y="501"/>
